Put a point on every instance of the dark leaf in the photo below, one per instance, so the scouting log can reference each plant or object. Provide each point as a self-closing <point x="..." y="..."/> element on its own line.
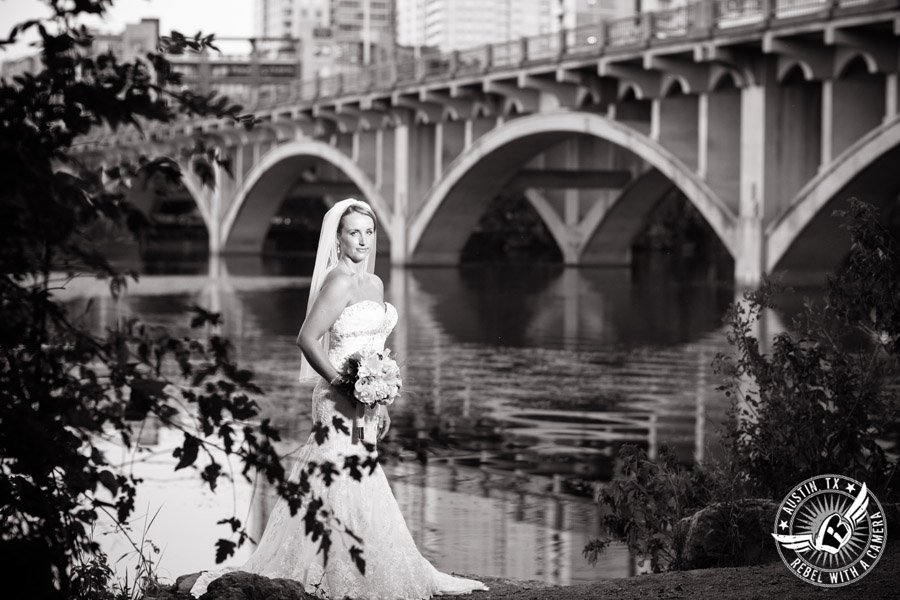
<point x="204" y="317"/>
<point x="320" y="432"/>
<point x="187" y="453"/>
<point x="224" y="550"/>
<point x="351" y="465"/>
<point x="109" y="481"/>
<point x="233" y="522"/>
<point x="211" y="473"/>
<point x="356" y="554"/>
<point x="339" y="425"/>
<point x="328" y="472"/>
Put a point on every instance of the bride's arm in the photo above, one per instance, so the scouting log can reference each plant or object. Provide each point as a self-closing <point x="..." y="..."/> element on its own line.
<point x="384" y="422"/>
<point x="325" y="310"/>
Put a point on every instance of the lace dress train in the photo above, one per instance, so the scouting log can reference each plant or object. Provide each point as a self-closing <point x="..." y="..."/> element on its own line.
<point x="394" y="567"/>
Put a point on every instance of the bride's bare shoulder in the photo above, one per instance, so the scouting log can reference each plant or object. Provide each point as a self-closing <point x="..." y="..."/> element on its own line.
<point x="376" y="281"/>
<point x="336" y="284"/>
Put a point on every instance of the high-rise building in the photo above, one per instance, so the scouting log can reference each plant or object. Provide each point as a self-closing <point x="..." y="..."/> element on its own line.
<point x="336" y="35"/>
<point x="582" y="13"/>
<point x="290" y="18"/>
<point x="411" y="22"/>
<point x="460" y="24"/>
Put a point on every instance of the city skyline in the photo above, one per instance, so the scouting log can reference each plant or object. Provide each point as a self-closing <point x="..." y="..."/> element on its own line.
<point x="187" y="18"/>
<point x="251" y="18"/>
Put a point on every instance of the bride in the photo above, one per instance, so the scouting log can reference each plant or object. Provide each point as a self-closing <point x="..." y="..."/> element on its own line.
<point x="346" y="313"/>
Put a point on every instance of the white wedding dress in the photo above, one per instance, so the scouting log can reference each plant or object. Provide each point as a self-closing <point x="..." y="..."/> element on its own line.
<point x="394" y="568"/>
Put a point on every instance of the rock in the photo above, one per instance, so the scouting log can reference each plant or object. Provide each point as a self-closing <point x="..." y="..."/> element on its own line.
<point x="184" y="583"/>
<point x="892" y="517"/>
<point x="728" y="534"/>
<point x="249" y="586"/>
<point x="177" y="591"/>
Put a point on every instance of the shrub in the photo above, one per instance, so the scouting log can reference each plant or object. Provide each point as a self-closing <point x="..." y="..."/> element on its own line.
<point x="646" y="503"/>
<point x="822" y="400"/>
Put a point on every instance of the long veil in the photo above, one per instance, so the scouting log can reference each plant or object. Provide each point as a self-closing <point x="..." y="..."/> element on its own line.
<point x="326" y="260"/>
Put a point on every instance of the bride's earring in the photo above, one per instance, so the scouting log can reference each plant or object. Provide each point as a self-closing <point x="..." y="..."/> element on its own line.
<point x="337" y="249"/>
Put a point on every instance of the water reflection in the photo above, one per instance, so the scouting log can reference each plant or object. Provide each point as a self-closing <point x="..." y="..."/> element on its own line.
<point x="521" y="533"/>
<point x="532" y="378"/>
<point x="557" y="307"/>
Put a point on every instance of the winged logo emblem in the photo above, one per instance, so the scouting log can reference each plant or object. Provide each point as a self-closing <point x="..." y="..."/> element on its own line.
<point x="833" y="533"/>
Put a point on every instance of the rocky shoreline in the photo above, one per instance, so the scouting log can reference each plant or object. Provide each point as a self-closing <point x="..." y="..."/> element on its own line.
<point x="733" y="583"/>
<point x="768" y="578"/>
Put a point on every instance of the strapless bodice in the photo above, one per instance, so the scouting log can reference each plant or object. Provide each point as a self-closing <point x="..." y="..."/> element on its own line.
<point x="361" y="326"/>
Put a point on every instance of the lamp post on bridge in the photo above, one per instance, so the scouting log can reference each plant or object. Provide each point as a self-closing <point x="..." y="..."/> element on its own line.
<point x="366" y="33"/>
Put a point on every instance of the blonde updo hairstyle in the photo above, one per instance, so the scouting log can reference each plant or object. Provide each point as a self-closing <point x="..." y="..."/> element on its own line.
<point x="359" y="208"/>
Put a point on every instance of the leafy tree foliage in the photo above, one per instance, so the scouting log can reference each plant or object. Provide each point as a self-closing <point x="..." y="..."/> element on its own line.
<point x="824" y="399"/>
<point x="65" y="389"/>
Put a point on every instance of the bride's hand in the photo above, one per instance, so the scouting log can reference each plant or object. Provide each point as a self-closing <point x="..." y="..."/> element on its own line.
<point x="384" y="423"/>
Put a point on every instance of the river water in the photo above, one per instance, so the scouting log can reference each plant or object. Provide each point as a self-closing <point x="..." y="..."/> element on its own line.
<point x="520" y="385"/>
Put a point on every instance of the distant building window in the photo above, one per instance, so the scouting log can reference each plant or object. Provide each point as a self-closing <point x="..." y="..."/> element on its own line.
<point x="233" y="70"/>
<point x="186" y="70"/>
<point x="277" y="70"/>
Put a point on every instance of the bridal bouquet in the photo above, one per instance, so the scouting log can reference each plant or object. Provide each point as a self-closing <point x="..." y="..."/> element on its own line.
<point x="372" y="377"/>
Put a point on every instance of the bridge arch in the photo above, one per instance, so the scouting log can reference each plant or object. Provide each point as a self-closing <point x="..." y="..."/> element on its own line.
<point x="144" y="199"/>
<point x="844" y="63"/>
<point x="725" y="79"/>
<point x="674" y="85"/>
<point x="267" y="182"/>
<point x="609" y="240"/>
<point x="794" y="68"/>
<point x="880" y="148"/>
<point x="485" y="167"/>
<point x="587" y="98"/>
<point x="199" y="194"/>
<point x="630" y="87"/>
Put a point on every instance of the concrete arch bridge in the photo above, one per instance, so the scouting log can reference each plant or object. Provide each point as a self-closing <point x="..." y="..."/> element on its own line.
<point x="764" y="115"/>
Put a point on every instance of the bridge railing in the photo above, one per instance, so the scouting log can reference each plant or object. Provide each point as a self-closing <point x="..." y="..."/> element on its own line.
<point x="473" y="60"/>
<point x="507" y="54"/>
<point x="695" y="20"/>
<point x="737" y="13"/>
<point x="629" y="31"/>
<point x="547" y="46"/>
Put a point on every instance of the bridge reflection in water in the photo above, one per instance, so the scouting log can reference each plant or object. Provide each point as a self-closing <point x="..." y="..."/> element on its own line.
<point x="537" y="376"/>
<point x="521" y="534"/>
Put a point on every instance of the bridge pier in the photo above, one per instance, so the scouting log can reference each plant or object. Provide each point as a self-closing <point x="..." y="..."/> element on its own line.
<point x="891" y="94"/>
<point x="721" y="144"/>
<point x="400" y="184"/>
<point x="748" y="264"/>
<point x="219" y="199"/>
